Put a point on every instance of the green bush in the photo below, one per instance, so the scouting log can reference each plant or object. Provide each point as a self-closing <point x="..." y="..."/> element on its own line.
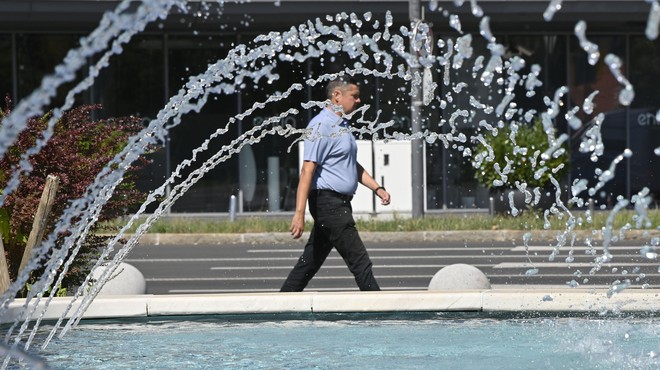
<point x="524" y="155"/>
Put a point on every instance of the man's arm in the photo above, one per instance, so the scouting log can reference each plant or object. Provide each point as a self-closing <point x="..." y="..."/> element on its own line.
<point x="304" y="184"/>
<point x="365" y="179"/>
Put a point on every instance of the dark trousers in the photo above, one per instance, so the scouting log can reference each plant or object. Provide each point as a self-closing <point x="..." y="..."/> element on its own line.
<point x="333" y="227"/>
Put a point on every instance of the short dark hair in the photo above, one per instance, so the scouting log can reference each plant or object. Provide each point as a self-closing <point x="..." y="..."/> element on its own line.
<point x="339" y="83"/>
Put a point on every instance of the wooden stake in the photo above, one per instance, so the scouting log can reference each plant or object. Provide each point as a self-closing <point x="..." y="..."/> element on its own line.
<point x="40" y="218"/>
<point x="4" y="270"/>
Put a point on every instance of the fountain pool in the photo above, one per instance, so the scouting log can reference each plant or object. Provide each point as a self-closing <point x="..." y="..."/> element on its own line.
<point x="341" y="341"/>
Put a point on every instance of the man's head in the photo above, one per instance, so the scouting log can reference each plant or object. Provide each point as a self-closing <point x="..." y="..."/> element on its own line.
<point x="344" y="92"/>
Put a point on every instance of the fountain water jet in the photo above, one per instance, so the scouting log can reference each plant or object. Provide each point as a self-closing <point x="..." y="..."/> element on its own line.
<point x="236" y="69"/>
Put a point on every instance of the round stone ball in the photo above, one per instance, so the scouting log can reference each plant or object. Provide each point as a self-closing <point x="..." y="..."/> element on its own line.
<point x="459" y="277"/>
<point x="125" y="280"/>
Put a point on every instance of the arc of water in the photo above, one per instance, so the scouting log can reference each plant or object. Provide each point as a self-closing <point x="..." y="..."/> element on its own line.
<point x="161" y="190"/>
<point x="589" y="47"/>
<point x="553" y="7"/>
<point x="608" y="174"/>
<point x="653" y="22"/>
<point x="592" y="140"/>
<point x="626" y="95"/>
<point x="56" y="258"/>
<point x="588" y="103"/>
<point x="100" y="284"/>
<point x="642" y="200"/>
<point x="495" y="49"/>
<point x="607" y="236"/>
<point x="532" y="80"/>
<point x="176" y="193"/>
<point x="111" y="23"/>
<point x="175" y="120"/>
<point x="570" y="224"/>
<point x="25" y="167"/>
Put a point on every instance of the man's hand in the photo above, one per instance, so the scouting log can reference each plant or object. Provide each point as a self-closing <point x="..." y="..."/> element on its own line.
<point x="384" y="196"/>
<point x="297" y="225"/>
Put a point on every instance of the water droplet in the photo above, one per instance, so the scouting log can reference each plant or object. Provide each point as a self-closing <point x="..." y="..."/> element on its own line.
<point x="553" y="7"/>
<point x="653" y="23"/>
<point x="589" y="47"/>
<point x="455" y="23"/>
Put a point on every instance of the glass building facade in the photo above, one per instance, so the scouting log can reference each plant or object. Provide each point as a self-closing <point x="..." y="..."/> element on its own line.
<point x="156" y="64"/>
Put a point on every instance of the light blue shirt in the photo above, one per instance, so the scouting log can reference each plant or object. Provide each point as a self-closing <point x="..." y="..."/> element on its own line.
<point x="332" y="146"/>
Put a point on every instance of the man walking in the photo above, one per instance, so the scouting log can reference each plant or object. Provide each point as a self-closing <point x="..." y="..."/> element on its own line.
<point x="329" y="178"/>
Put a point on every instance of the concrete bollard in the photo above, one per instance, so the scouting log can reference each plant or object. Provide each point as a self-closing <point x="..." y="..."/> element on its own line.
<point x="126" y="279"/>
<point x="459" y="277"/>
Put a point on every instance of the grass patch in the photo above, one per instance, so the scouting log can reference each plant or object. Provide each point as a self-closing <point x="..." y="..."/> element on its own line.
<point x="526" y="221"/>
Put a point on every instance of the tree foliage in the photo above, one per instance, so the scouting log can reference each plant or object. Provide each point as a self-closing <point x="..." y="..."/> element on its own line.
<point x="78" y="150"/>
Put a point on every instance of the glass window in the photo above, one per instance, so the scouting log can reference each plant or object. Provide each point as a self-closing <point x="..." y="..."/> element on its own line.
<point x="189" y="56"/>
<point x="585" y="80"/>
<point x="38" y="55"/>
<point x="6" y="84"/>
<point x="268" y="170"/>
<point x="450" y="176"/>
<point x="133" y="82"/>
<point x="644" y="123"/>
<point x="549" y="53"/>
<point x="133" y="85"/>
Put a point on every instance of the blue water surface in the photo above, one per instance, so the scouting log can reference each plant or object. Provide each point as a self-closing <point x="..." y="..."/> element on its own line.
<point x="430" y="342"/>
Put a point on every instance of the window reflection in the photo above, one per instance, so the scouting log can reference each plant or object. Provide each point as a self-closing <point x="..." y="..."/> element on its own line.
<point x="152" y="68"/>
<point x="6" y="85"/>
<point x="37" y="57"/>
<point x="584" y="80"/>
<point x="644" y="123"/>
<point x="268" y="170"/>
<point x="188" y="57"/>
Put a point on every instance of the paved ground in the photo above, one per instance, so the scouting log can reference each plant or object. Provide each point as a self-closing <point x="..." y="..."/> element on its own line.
<point x="398" y="265"/>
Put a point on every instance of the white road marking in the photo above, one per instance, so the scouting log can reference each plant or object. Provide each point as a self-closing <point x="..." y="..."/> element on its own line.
<point x="317" y="277"/>
<point x="578" y="248"/>
<point x="440" y="249"/>
<point x="331" y="257"/>
<point x="338" y="289"/>
<point x="325" y="267"/>
<point x="510" y="265"/>
<point x="583" y="276"/>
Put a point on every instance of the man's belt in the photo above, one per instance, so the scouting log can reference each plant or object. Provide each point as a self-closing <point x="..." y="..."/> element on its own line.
<point x="332" y="193"/>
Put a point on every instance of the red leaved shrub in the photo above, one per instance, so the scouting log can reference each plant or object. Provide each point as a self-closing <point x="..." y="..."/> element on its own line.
<point x="79" y="148"/>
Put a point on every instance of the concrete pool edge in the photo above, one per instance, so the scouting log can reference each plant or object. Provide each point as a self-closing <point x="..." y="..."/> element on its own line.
<point x="494" y="300"/>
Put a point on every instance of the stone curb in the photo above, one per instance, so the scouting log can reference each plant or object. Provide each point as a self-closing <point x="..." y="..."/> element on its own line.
<point x="479" y="236"/>
<point x="531" y="301"/>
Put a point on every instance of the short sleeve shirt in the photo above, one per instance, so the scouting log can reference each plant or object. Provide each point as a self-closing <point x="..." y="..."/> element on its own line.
<point x="332" y="146"/>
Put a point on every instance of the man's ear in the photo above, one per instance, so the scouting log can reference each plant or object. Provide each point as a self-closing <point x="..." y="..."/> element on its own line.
<point x="335" y="95"/>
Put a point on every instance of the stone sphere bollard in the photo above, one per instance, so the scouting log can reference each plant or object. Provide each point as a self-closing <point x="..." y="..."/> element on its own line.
<point x="459" y="277"/>
<point x="126" y="279"/>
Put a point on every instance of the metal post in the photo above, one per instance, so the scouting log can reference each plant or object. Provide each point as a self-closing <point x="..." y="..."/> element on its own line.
<point x="232" y="208"/>
<point x="417" y="160"/>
